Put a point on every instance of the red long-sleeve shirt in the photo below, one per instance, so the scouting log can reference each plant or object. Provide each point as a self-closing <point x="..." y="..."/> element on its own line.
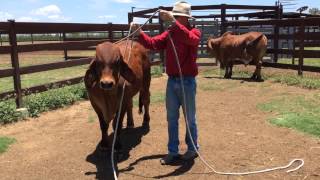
<point x="186" y="41"/>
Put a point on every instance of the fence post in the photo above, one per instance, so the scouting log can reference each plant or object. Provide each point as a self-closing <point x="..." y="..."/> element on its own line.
<point x="110" y="32"/>
<point x="276" y="36"/>
<point x="65" y="49"/>
<point x="130" y="18"/>
<point x="301" y="47"/>
<point x="15" y="63"/>
<point x="293" y="44"/>
<point x="223" y="19"/>
<point x="161" y="30"/>
<point x="152" y="34"/>
<point x="32" y="38"/>
<point x="237" y="27"/>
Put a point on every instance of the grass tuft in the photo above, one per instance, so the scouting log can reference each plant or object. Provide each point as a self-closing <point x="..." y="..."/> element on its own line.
<point x="5" y="142"/>
<point x="156" y="71"/>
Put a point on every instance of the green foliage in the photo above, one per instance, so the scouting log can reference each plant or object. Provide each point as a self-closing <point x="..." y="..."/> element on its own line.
<point x="5" y="142"/>
<point x="41" y="102"/>
<point x="53" y="99"/>
<point x="300" y="113"/>
<point x="8" y="113"/>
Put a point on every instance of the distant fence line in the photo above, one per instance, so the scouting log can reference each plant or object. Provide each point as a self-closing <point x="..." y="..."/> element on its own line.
<point x="113" y="32"/>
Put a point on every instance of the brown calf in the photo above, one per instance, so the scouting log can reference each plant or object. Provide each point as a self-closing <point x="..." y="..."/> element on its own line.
<point x="247" y="47"/>
<point x="104" y="82"/>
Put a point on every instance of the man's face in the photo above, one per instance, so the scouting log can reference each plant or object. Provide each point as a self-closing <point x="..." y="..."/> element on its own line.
<point x="182" y="19"/>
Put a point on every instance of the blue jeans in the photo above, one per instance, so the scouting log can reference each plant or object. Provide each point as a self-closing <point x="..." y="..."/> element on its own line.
<point x="174" y="99"/>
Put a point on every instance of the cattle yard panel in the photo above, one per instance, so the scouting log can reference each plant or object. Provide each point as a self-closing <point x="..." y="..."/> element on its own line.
<point x="111" y="32"/>
<point x="213" y="24"/>
<point x="73" y="36"/>
<point x="300" y="35"/>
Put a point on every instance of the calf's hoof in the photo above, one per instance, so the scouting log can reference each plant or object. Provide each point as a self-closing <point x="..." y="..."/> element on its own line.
<point x="259" y="79"/>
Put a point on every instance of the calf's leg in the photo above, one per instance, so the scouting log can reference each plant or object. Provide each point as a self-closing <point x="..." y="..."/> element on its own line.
<point x="118" y="145"/>
<point x="257" y="73"/>
<point x="230" y="69"/>
<point x="104" y="144"/>
<point x="130" y="123"/>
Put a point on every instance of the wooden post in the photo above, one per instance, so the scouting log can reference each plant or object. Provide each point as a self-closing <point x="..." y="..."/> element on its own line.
<point x="0" y="39"/>
<point x="223" y="19"/>
<point x="15" y="63"/>
<point x="293" y="45"/>
<point x="161" y="30"/>
<point x="110" y="32"/>
<point x="31" y="38"/>
<point x="276" y="37"/>
<point x="152" y="34"/>
<point x="130" y="18"/>
<point x="301" y="47"/>
<point x="65" y="49"/>
<point x="237" y="27"/>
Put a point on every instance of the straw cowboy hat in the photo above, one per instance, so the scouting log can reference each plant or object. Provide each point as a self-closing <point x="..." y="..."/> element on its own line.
<point x="182" y="8"/>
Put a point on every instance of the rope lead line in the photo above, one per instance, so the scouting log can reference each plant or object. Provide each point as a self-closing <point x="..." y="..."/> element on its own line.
<point x="120" y="107"/>
<point x="192" y="141"/>
<point x="185" y="116"/>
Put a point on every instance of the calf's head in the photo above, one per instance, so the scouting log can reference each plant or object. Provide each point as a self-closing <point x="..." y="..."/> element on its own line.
<point x="213" y="46"/>
<point x="106" y="68"/>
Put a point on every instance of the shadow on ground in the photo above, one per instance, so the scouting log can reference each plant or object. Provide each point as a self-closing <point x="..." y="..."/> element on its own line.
<point x="130" y="138"/>
<point x="182" y="167"/>
<point x="242" y="79"/>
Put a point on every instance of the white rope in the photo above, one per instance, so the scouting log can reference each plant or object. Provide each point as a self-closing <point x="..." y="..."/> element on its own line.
<point x="131" y="34"/>
<point x="123" y="88"/>
<point x="120" y="108"/>
<point x="185" y="117"/>
<point x="194" y="146"/>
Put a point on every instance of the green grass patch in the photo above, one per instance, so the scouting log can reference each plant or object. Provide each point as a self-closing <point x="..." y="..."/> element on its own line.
<point x="156" y="97"/>
<point x="91" y="117"/>
<point x="5" y="142"/>
<point x="29" y="80"/>
<point x="287" y="79"/>
<point x="306" y="61"/>
<point x="217" y="86"/>
<point x="156" y="71"/>
<point x="301" y="113"/>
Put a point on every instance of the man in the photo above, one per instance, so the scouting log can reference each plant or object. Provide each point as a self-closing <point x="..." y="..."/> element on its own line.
<point x="186" y="40"/>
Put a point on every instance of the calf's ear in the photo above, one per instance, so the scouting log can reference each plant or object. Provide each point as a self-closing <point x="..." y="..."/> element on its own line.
<point x="126" y="72"/>
<point x="91" y="77"/>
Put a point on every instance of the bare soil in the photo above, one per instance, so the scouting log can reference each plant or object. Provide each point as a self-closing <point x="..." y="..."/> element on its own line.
<point x="233" y="135"/>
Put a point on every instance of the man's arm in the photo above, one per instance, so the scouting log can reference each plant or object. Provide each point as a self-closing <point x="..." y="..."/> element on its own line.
<point x="154" y="43"/>
<point x="190" y="37"/>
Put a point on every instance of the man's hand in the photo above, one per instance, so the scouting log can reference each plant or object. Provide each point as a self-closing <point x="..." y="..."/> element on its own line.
<point x="134" y="28"/>
<point x="166" y="16"/>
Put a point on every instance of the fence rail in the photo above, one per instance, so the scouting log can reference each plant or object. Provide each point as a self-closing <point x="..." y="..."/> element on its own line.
<point x="300" y="39"/>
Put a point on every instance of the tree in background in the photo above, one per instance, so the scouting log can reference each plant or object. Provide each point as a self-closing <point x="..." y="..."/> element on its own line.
<point x="314" y="11"/>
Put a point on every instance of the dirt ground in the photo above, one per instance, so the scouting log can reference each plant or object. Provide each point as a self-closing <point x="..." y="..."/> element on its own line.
<point x="233" y="135"/>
